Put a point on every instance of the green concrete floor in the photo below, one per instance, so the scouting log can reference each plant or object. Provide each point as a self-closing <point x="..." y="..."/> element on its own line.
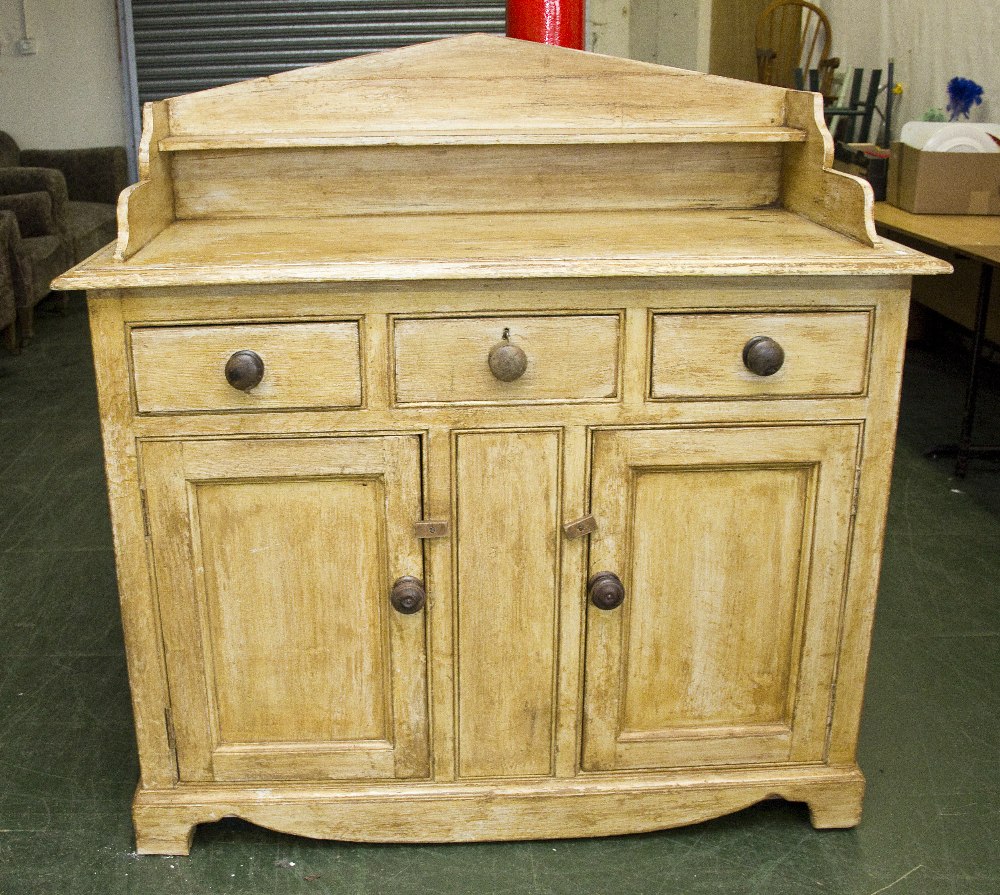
<point x="930" y="745"/>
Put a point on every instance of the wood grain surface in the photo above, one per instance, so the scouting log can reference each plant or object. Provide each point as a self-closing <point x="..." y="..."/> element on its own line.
<point x="512" y="136"/>
<point x="274" y="559"/>
<point x="304" y="183"/>
<point x="698" y="356"/>
<point x="373" y="228"/>
<point x="695" y="242"/>
<point x="445" y="360"/>
<point x="483" y="813"/>
<point x="182" y="368"/>
<point x="476" y="83"/>
<point x="507" y="598"/>
<point x="732" y="547"/>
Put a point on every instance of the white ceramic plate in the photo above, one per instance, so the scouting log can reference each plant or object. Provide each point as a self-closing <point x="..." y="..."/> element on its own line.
<point x="940" y="136"/>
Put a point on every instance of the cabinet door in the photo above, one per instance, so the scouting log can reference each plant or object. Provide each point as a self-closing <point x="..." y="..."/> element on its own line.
<point x="732" y="545"/>
<point x="274" y="559"/>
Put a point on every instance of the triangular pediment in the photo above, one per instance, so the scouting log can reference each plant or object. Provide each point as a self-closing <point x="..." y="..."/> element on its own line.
<point x="472" y="83"/>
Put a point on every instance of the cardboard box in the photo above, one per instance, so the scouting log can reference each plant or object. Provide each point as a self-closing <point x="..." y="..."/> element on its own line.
<point x="944" y="182"/>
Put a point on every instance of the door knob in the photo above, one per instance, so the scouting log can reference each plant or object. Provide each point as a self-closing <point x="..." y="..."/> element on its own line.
<point x="507" y="361"/>
<point x="244" y="370"/>
<point x="606" y="590"/>
<point x="763" y="355"/>
<point x="408" y="595"/>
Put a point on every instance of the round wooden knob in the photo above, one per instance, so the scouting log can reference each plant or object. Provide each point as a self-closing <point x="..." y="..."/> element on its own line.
<point x="763" y="356"/>
<point x="244" y="370"/>
<point x="507" y="362"/>
<point x="408" y="595"/>
<point x="606" y="590"/>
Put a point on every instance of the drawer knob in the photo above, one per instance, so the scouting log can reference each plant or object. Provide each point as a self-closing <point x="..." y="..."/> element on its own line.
<point x="763" y="356"/>
<point x="606" y="590"/>
<point x="507" y="362"/>
<point x="408" y="595"/>
<point x="244" y="370"/>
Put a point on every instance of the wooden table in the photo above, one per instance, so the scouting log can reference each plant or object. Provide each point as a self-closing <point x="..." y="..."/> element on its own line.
<point x="977" y="237"/>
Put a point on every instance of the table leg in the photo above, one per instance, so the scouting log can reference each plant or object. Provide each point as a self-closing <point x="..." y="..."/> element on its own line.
<point x="964" y="449"/>
<point x="972" y="392"/>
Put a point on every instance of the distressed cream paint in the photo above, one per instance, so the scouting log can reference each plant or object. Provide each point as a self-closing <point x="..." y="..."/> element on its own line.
<point x="258" y="534"/>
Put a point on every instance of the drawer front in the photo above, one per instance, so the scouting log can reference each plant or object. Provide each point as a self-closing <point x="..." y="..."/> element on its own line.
<point x="701" y="355"/>
<point x="447" y="360"/>
<point x="183" y="368"/>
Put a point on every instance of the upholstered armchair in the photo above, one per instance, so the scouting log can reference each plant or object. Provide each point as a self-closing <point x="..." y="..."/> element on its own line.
<point x="36" y="197"/>
<point x="94" y="180"/>
<point x="64" y="202"/>
<point x="9" y="237"/>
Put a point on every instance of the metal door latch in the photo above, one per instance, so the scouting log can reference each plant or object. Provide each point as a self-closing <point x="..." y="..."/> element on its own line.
<point x="427" y="528"/>
<point x="585" y="525"/>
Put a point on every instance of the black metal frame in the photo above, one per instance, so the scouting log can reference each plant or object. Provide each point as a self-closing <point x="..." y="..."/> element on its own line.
<point x="860" y="114"/>
<point x="965" y="450"/>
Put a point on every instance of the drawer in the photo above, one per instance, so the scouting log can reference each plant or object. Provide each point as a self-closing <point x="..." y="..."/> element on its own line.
<point x="183" y="368"/>
<point x="447" y="359"/>
<point x="701" y="355"/>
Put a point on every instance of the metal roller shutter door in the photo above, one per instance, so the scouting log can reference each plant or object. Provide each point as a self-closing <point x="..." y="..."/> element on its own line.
<point x="185" y="46"/>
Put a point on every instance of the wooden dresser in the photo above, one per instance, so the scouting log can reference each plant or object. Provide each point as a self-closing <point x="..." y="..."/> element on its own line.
<point x="498" y="442"/>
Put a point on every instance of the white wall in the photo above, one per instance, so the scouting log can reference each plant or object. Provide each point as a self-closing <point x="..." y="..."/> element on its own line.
<point x="68" y="95"/>
<point x="930" y="43"/>
<point x="668" y="32"/>
<point x="608" y="26"/>
<point x="671" y="32"/>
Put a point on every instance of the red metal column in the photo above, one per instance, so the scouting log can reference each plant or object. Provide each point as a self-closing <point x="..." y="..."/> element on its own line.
<point x="558" y="22"/>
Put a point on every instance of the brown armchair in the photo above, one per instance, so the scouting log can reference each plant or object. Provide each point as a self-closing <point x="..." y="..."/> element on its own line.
<point x="9" y="236"/>
<point x="82" y="187"/>
<point x="43" y="249"/>
<point x="94" y="180"/>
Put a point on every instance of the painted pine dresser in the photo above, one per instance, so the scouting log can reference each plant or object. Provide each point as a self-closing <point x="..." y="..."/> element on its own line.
<point x="498" y="442"/>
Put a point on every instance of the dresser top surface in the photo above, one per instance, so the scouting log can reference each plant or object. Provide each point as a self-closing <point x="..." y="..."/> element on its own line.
<point x="455" y="246"/>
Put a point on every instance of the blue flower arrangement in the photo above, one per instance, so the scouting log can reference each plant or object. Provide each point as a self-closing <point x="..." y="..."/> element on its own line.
<point x="963" y="94"/>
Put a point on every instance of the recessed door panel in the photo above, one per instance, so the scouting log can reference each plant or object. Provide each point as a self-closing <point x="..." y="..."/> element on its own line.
<point x="507" y="597"/>
<point x="711" y="635"/>
<point x="732" y="547"/>
<point x="295" y="610"/>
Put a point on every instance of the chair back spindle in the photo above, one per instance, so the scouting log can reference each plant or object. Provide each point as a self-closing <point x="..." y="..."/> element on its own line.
<point x="792" y="37"/>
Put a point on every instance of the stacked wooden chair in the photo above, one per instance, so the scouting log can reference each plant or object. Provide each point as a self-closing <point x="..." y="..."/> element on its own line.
<point x="794" y="37"/>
